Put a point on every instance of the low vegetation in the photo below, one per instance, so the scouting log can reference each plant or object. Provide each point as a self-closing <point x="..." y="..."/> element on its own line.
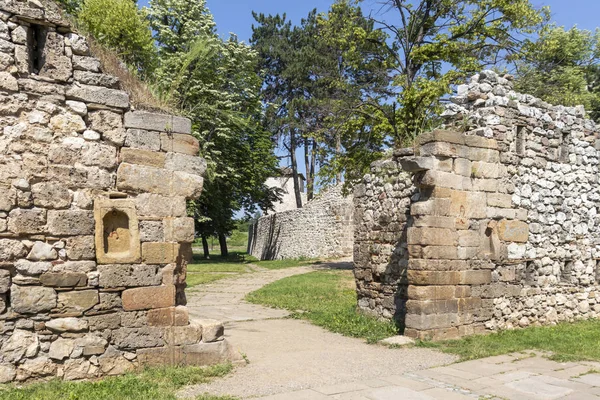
<point x="567" y="341"/>
<point x="327" y="299"/>
<point x="156" y="384"/>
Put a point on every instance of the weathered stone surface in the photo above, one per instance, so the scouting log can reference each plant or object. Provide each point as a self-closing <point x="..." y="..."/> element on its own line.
<point x="157" y="122"/>
<point x="42" y="252"/>
<point x="11" y="249"/>
<point x="94" y="79"/>
<point x="8" y="372"/>
<point x="4" y="281"/>
<point x="77" y="301"/>
<point x="152" y="231"/>
<point x="86" y="63"/>
<point x="104" y="322"/>
<point x="113" y="363"/>
<point x="141" y="178"/>
<point x="185" y="163"/>
<point x="187" y="185"/>
<point x="69" y="324"/>
<point x="142" y="139"/>
<point x="61" y="349"/>
<point x="160" y="206"/>
<point x="171" y="316"/>
<point x="147" y="298"/>
<point x="51" y="195"/>
<point x="8" y="82"/>
<point x="118" y="275"/>
<point x="90" y="345"/>
<point x="22" y="344"/>
<point x="77" y="369"/>
<point x="32" y="300"/>
<point x="158" y="253"/>
<point x="99" y="94"/>
<point x="32" y="268"/>
<point x="81" y="248"/>
<point x="143" y="157"/>
<point x="513" y="231"/>
<point x="137" y="338"/>
<point x="70" y="222"/>
<point x="63" y="279"/>
<point x="21" y="221"/>
<point x="212" y="330"/>
<point x="183" y="335"/>
<point x="37" y="368"/>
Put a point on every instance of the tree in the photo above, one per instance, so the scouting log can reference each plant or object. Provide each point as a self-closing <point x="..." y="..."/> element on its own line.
<point x="215" y="83"/>
<point x="438" y="43"/>
<point x="561" y="67"/>
<point x="121" y="26"/>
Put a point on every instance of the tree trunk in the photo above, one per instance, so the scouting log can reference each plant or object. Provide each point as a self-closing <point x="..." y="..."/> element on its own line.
<point x="205" y="247"/>
<point x="309" y="171"/>
<point x="223" y="244"/>
<point x="338" y="151"/>
<point x="295" y="169"/>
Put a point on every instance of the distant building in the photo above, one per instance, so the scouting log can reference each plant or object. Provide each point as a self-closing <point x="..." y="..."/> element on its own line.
<point x="286" y="182"/>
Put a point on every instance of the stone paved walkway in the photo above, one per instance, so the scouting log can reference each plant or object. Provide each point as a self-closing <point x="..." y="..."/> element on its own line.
<point x="294" y="360"/>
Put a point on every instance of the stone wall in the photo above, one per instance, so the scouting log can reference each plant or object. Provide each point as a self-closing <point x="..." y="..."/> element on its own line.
<point x="94" y="235"/>
<point x="322" y="228"/>
<point x="503" y="231"/>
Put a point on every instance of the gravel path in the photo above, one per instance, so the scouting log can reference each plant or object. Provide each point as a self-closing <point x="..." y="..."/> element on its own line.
<point x="287" y="355"/>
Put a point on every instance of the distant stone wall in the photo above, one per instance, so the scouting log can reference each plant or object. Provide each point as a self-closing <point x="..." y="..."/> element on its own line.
<point x="94" y="234"/>
<point x="322" y="228"/>
<point x="503" y="231"/>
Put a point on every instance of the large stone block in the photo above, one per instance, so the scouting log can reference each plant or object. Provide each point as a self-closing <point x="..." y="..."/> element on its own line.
<point x="99" y="95"/>
<point x="32" y="299"/>
<point x="81" y="248"/>
<point x="180" y="230"/>
<point x="70" y="223"/>
<point x="119" y="275"/>
<point x="69" y="324"/>
<point x="171" y="316"/>
<point x="424" y="278"/>
<point x="141" y="178"/>
<point x="27" y="221"/>
<point x="63" y="279"/>
<point x="187" y="185"/>
<point x="179" y="143"/>
<point x="433" y="321"/>
<point x="183" y="335"/>
<point x="185" y="163"/>
<point x="5" y="281"/>
<point x="143" y="157"/>
<point x="77" y="301"/>
<point x="159" y="253"/>
<point x="513" y="231"/>
<point x="153" y="205"/>
<point x="8" y="198"/>
<point x="51" y="195"/>
<point x="11" y="249"/>
<point x="144" y="140"/>
<point x="157" y="122"/>
<point x="137" y="338"/>
<point x="432" y="236"/>
<point x="147" y="298"/>
<point x="431" y="292"/>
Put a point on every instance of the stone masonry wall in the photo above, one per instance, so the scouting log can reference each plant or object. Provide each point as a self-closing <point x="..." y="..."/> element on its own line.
<point x="94" y="235"/>
<point x="322" y="228"/>
<point x="503" y="232"/>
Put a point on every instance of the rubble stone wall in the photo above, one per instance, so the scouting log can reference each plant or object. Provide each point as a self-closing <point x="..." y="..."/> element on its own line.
<point x="322" y="228"/>
<point x="94" y="234"/>
<point x="503" y="230"/>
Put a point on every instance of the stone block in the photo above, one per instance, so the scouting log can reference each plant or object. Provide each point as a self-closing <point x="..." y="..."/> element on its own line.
<point x="424" y="278"/>
<point x="439" y="252"/>
<point x="477" y="277"/>
<point x="158" y="122"/>
<point x="117" y="236"/>
<point x="417" y="164"/>
<point x="185" y="163"/>
<point x="153" y="205"/>
<point x="482" y="169"/>
<point x="186" y="185"/>
<point x="69" y="324"/>
<point x="8" y="198"/>
<point x="439" y="135"/>
<point x="119" y="275"/>
<point x="478" y="141"/>
<point x="433" y="321"/>
<point x="147" y="298"/>
<point x="428" y="307"/>
<point x="202" y="354"/>
<point x="430" y="221"/>
<point x="143" y="157"/>
<point x="437" y="265"/>
<point x="99" y="95"/>
<point x="63" y="279"/>
<point x="77" y="301"/>
<point x="183" y="335"/>
<point x="11" y="249"/>
<point x="469" y="239"/>
<point x="431" y="292"/>
<point x="137" y="338"/>
<point x="51" y="195"/>
<point x="84" y="63"/>
<point x="435" y="207"/>
<point x="144" y="140"/>
<point x="462" y="167"/>
<point x="152" y="231"/>
<point x="513" y="231"/>
<point x="27" y="221"/>
<point x="70" y="222"/>
<point x="479" y="154"/>
<point x="442" y="179"/>
<point x="104" y="322"/>
<point x="5" y="281"/>
<point x="180" y="230"/>
<point x="32" y="299"/>
<point x="179" y="143"/>
<point x="30" y="268"/>
<point x="81" y="248"/>
<point x="467" y="204"/>
<point x="499" y="200"/>
<point x="212" y="330"/>
<point x="140" y="178"/>
<point x="432" y="236"/>
<point x="158" y="253"/>
<point x="95" y="79"/>
<point x="499" y="213"/>
<point x="171" y="316"/>
<point x="442" y="149"/>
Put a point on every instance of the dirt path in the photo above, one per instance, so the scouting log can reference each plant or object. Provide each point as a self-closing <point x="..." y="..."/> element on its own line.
<point x="288" y="355"/>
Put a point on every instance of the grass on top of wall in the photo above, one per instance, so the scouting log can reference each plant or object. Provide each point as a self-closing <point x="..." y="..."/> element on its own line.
<point x="327" y="299"/>
<point x="577" y="341"/>
<point x="155" y="384"/>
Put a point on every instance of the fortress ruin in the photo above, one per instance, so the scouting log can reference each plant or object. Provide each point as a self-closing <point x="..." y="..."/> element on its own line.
<point x="94" y="232"/>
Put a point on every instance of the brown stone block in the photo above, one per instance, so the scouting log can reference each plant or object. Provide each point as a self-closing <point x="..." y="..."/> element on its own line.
<point x="158" y="253"/>
<point x="141" y="178"/>
<point x="433" y="334"/>
<point x="423" y="278"/>
<point x="430" y="221"/>
<point x="432" y="236"/>
<point x="161" y="356"/>
<point x="441" y="179"/>
<point x="143" y="157"/>
<point x="469" y="305"/>
<point x="171" y="316"/>
<point x="77" y="301"/>
<point x="479" y="277"/>
<point x="480" y="154"/>
<point x="437" y="265"/>
<point x="210" y="354"/>
<point x="183" y="335"/>
<point x="186" y="185"/>
<point x="513" y="231"/>
<point x="500" y="200"/>
<point x="467" y="204"/>
<point x="469" y="238"/>
<point x="70" y="222"/>
<point x="478" y="141"/>
<point x="184" y="252"/>
<point x="437" y="207"/>
<point x="485" y="185"/>
<point x="147" y="298"/>
<point x="468" y="253"/>
<point x="442" y="149"/>
<point x="63" y="279"/>
<point x="461" y="292"/>
<point x="439" y="135"/>
<point x="431" y="292"/>
<point x="180" y="230"/>
<point x="428" y="307"/>
<point x="440" y="252"/>
<point x="186" y="144"/>
<point x="431" y="321"/>
<point x="482" y="169"/>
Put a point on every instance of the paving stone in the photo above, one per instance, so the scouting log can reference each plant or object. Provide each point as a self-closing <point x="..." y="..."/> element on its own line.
<point x="341" y="388"/>
<point x="590" y="379"/>
<point x="407" y="382"/>
<point x="484" y="369"/>
<point x="396" y="393"/>
<point x="446" y="394"/>
<point x="538" y="389"/>
<point x="299" y="395"/>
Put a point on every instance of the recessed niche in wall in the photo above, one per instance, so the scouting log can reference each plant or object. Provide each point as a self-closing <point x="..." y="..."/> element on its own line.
<point x="566" y="272"/>
<point x="117" y="232"/>
<point x="597" y="271"/>
<point x="521" y="140"/>
<point x="563" y="150"/>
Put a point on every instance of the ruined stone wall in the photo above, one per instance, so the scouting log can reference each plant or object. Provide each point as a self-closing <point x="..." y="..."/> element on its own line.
<point x="382" y="208"/>
<point x="94" y="235"/>
<point x="503" y="231"/>
<point x="322" y="228"/>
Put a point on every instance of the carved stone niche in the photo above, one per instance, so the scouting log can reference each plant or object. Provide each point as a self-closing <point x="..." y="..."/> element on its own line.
<point x="117" y="232"/>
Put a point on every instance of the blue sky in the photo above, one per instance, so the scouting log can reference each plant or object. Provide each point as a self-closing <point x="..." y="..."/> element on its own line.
<point x="236" y="15"/>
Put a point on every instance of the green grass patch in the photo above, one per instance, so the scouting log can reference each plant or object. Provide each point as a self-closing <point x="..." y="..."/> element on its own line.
<point x="156" y="384"/>
<point x="282" y="264"/>
<point x="238" y="239"/>
<point x="217" y="267"/>
<point x="327" y="299"/>
<point x="195" y="279"/>
<point x="577" y="341"/>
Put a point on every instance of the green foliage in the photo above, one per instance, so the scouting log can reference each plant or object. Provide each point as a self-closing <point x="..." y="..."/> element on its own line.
<point x="158" y="384"/>
<point x="71" y="6"/>
<point x="215" y="83"/>
<point x="560" y="67"/>
<point x="438" y="43"/>
<point x="327" y="299"/>
<point x="568" y="341"/>
<point x="121" y="26"/>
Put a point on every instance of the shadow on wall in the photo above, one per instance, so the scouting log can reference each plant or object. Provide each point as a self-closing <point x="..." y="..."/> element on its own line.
<point x="271" y="249"/>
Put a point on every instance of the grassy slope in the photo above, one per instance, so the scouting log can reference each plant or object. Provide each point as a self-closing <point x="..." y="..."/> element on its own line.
<point x="569" y="342"/>
<point x="156" y="384"/>
<point x="327" y="299"/>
